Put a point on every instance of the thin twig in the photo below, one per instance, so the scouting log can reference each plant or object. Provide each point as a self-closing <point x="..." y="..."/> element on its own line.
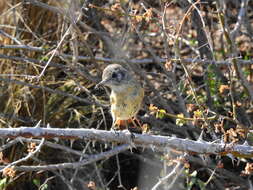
<point x="233" y="52"/>
<point x="11" y="37"/>
<point x="50" y="90"/>
<point x="117" y="60"/>
<point x="177" y="170"/>
<point x="240" y="18"/>
<point x="86" y="161"/>
<point x="31" y="154"/>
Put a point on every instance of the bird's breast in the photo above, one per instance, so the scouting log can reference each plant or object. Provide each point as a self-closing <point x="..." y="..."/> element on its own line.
<point x="125" y="104"/>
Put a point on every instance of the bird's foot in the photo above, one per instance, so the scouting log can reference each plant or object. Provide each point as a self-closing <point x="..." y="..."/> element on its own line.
<point x="131" y="138"/>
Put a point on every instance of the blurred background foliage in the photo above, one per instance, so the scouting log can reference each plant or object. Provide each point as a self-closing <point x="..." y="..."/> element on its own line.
<point x="164" y="44"/>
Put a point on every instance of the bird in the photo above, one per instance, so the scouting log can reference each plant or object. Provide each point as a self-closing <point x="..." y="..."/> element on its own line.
<point x="126" y="94"/>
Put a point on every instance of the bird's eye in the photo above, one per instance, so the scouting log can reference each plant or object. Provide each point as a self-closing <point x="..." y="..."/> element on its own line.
<point x="114" y="75"/>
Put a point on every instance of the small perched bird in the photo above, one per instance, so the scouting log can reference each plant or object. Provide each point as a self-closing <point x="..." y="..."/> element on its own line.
<point x="126" y="93"/>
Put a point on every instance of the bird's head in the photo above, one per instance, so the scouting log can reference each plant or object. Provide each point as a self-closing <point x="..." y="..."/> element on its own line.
<point x="115" y="77"/>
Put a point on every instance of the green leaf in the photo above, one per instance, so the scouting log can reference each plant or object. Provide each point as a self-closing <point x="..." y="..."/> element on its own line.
<point x="3" y="183"/>
<point x="180" y="122"/>
<point x="36" y="182"/>
<point x="160" y="114"/>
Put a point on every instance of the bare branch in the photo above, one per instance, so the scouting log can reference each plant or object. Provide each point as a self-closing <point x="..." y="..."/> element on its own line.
<point x="233" y="51"/>
<point x="178" y="169"/>
<point x="30" y="48"/>
<point x="50" y="90"/>
<point x="30" y="155"/>
<point x="115" y="60"/>
<point x="142" y="140"/>
<point x="240" y="18"/>
<point x="86" y="161"/>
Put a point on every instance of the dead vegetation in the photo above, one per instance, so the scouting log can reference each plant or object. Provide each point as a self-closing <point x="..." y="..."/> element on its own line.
<point x="194" y="60"/>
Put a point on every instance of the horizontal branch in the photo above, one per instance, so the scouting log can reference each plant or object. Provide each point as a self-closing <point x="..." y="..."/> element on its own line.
<point x="161" y="60"/>
<point x="90" y="159"/>
<point x="142" y="140"/>
<point x="26" y="47"/>
<point x="31" y="60"/>
<point x="115" y="60"/>
<point x="54" y="91"/>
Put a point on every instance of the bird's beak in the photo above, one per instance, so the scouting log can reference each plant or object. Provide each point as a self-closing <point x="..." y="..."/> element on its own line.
<point x="102" y="83"/>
